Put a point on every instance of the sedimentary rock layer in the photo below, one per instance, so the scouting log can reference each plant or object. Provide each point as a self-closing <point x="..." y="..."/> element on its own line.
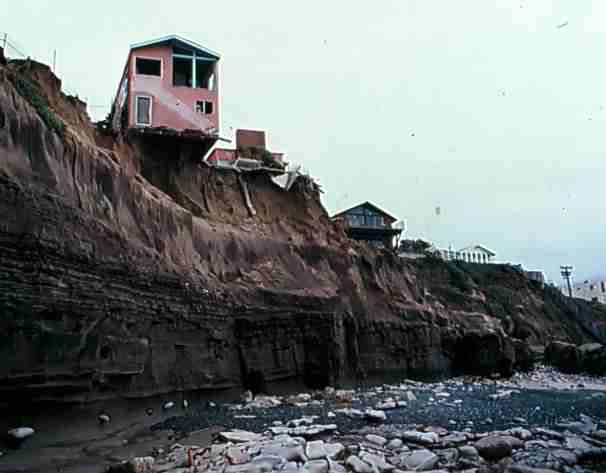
<point x="128" y="268"/>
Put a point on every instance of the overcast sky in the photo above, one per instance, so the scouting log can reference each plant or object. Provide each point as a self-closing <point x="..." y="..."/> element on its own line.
<point x="492" y="110"/>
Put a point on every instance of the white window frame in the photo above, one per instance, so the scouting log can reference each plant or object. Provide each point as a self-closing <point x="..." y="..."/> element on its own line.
<point x="152" y="59"/>
<point x="151" y="109"/>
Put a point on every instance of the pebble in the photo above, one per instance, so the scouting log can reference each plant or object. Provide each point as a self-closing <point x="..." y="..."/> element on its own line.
<point x="168" y="405"/>
<point x="104" y="418"/>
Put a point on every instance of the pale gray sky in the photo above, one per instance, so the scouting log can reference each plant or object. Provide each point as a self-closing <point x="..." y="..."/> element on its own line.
<point x="482" y="107"/>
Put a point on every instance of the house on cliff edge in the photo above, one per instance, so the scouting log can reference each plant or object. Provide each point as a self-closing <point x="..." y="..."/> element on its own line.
<point x="251" y="151"/>
<point x="368" y="223"/>
<point x="169" y="86"/>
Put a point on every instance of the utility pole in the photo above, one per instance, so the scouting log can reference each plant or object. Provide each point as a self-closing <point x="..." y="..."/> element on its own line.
<point x="4" y="42"/>
<point x="55" y="62"/>
<point x="566" y="272"/>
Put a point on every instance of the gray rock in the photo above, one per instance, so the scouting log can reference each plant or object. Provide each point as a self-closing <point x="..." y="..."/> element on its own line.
<point x="316" y="466"/>
<point x="16" y="437"/>
<point x="290" y="451"/>
<point x="335" y="467"/>
<point x="548" y="433"/>
<point x="358" y="465"/>
<point x="104" y="418"/>
<point x="352" y="413"/>
<point x="495" y="447"/>
<point x="292" y="467"/>
<point x="469" y="452"/>
<point x="237" y="456"/>
<point x="21" y="433"/>
<point x="245" y="468"/>
<point x="534" y="444"/>
<point x="453" y="440"/>
<point x="240" y="436"/>
<point x="395" y="444"/>
<point x="141" y="465"/>
<point x="420" y="460"/>
<point x="377" y="462"/>
<point x="579" y="427"/>
<point x="316" y="450"/>
<point x="519" y="432"/>
<point x="448" y="456"/>
<point x="375" y="415"/>
<point x="576" y="443"/>
<point x="334" y="450"/>
<point x="424" y="438"/>
<point x="376" y="439"/>
<point x="528" y="469"/>
<point x="566" y="456"/>
<point x="386" y="405"/>
<point x="268" y="463"/>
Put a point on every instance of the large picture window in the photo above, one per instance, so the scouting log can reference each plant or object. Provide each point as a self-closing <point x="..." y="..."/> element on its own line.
<point x="193" y="70"/>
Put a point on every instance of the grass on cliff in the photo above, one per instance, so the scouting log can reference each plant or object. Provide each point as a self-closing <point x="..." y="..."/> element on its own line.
<point x="31" y="92"/>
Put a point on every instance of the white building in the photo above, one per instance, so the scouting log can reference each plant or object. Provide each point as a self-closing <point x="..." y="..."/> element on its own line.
<point x="469" y="254"/>
<point x="588" y="290"/>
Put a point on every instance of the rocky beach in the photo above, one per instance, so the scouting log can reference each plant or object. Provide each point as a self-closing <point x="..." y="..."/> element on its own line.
<point x="162" y="314"/>
<point x="542" y="419"/>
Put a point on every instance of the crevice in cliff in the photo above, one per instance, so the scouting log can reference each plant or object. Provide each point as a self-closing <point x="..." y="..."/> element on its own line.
<point x="246" y="194"/>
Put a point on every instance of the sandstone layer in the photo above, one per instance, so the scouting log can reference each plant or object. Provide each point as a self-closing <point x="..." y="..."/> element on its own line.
<point x="129" y="268"/>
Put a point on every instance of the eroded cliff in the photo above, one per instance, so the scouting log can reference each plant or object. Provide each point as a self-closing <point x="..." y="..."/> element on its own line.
<point x="128" y="268"/>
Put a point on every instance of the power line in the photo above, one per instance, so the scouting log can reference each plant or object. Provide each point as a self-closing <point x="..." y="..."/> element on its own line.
<point x="566" y="272"/>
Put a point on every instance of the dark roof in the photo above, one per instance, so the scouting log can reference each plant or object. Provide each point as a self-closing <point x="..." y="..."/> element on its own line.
<point x="366" y="204"/>
<point x="177" y="41"/>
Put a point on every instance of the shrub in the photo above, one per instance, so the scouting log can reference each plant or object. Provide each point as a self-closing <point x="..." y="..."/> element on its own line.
<point x="31" y="92"/>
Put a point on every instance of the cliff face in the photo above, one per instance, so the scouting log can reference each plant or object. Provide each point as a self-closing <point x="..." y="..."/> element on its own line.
<point x="129" y="269"/>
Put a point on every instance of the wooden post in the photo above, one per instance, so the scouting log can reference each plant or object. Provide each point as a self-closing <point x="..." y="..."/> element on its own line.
<point x="4" y="41"/>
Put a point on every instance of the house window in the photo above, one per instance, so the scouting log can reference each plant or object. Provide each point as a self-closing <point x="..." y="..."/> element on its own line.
<point x="192" y="70"/>
<point x="148" y="67"/>
<point x="204" y="107"/>
<point x="143" y="110"/>
<point x="183" y="72"/>
<point x="205" y="74"/>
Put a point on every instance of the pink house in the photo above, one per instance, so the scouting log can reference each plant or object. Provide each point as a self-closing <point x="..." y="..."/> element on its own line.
<point x="245" y="141"/>
<point x="169" y="85"/>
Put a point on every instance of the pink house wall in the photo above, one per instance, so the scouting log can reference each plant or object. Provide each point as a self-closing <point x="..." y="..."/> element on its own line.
<point x="172" y="107"/>
<point x="222" y="154"/>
